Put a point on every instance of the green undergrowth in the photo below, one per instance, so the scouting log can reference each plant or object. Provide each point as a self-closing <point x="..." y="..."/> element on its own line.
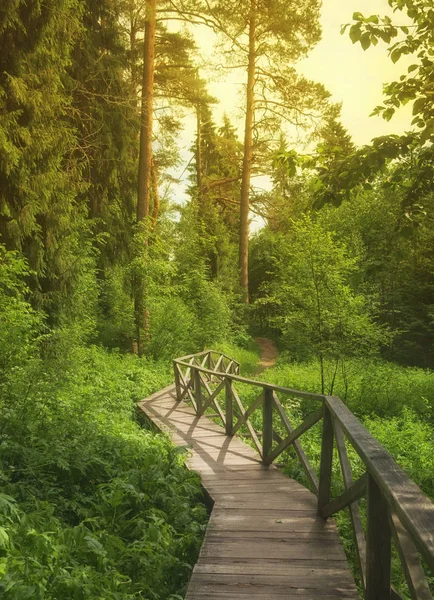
<point x="247" y="356"/>
<point x="367" y="386"/>
<point x="91" y="505"/>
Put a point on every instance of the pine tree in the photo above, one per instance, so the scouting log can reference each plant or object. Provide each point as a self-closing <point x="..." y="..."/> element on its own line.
<point x="267" y="38"/>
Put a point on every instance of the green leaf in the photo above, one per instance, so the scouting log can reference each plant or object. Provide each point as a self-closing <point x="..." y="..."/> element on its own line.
<point x="419" y="105"/>
<point x="355" y="33"/>
<point x="396" y="55"/>
<point x="4" y="538"/>
<point x="365" y="41"/>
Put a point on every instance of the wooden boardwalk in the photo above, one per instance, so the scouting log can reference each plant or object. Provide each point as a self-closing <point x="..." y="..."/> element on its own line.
<point x="264" y="538"/>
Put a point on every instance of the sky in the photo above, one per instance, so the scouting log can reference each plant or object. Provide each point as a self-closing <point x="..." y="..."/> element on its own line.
<point x="354" y="77"/>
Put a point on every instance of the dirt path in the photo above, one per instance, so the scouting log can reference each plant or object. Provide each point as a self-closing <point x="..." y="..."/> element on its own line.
<point x="269" y="353"/>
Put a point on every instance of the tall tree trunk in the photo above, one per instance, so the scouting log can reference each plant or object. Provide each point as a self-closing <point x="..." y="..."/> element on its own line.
<point x="199" y="152"/>
<point x="156" y="196"/>
<point x="247" y="158"/>
<point x="145" y="154"/>
<point x="133" y="45"/>
<point x="145" y="164"/>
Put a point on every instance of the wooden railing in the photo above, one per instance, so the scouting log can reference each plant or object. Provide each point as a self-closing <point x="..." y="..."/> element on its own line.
<point x="397" y="511"/>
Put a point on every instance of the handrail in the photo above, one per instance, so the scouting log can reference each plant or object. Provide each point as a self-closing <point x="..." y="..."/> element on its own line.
<point x="396" y="508"/>
<point x="255" y="382"/>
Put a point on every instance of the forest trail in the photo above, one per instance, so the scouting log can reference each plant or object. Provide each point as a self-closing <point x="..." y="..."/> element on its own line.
<point x="264" y="539"/>
<point x="269" y="354"/>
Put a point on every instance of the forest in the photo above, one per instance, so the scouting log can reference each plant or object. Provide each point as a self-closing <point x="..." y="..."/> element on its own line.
<point x="107" y="273"/>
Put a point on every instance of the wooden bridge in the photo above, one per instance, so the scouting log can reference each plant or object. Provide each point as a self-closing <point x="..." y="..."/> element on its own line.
<point x="268" y="536"/>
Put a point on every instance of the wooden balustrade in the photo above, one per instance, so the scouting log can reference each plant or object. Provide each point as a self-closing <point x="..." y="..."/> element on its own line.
<point x="397" y="512"/>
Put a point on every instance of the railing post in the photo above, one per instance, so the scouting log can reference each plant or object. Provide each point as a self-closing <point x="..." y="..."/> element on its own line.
<point x="229" y="401"/>
<point x="325" y="471"/>
<point x="197" y="391"/>
<point x="378" y="545"/>
<point x="177" y="380"/>
<point x="267" y="425"/>
<point x="208" y="365"/>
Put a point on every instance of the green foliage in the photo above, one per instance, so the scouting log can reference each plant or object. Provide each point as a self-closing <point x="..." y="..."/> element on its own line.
<point x="247" y="357"/>
<point x="418" y="39"/>
<point x="19" y="324"/>
<point x="171" y="327"/>
<point x="369" y="387"/>
<point x="417" y="458"/>
<point x="394" y="266"/>
<point x="91" y="505"/>
<point x="315" y="309"/>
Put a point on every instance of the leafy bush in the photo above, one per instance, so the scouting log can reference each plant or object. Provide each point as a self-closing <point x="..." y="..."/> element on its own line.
<point x="172" y="323"/>
<point x="368" y="387"/>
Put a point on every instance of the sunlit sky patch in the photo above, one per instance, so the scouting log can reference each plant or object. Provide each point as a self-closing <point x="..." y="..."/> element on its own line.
<point x="354" y="77"/>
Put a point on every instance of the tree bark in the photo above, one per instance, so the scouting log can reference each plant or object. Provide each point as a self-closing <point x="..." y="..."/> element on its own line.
<point x="133" y="43"/>
<point x="247" y="159"/>
<point x="199" y="152"/>
<point x="155" y="194"/>
<point x="145" y="166"/>
<point x="145" y="154"/>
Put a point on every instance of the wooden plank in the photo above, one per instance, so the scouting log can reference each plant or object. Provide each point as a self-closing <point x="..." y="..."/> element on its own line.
<point x="356" y="521"/>
<point x="248" y="424"/>
<point x="298" y="572"/>
<point x="351" y="494"/>
<point x="307" y="424"/>
<point x="229" y="407"/>
<point x="325" y="471"/>
<point x="413" y="508"/>
<point x="246" y="415"/>
<point x="310" y="473"/>
<point x="261" y="581"/>
<point x="198" y="392"/>
<point x="177" y="380"/>
<point x="378" y="545"/>
<point x="267" y="426"/>
<point x="259" y="486"/>
<point x="265" y="500"/>
<point x="229" y="549"/>
<point x="414" y="574"/>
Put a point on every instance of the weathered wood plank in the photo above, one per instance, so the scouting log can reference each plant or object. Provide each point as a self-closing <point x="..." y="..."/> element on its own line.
<point x="310" y="473"/>
<point x="378" y="545"/>
<point x="351" y="494"/>
<point x="229" y="407"/>
<point x="413" y="570"/>
<point x="356" y="521"/>
<point x="325" y="471"/>
<point x="243" y="418"/>
<point x="267" y="426"/>
<point x="413" y="508"/>
<point x="307" y="424"/>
